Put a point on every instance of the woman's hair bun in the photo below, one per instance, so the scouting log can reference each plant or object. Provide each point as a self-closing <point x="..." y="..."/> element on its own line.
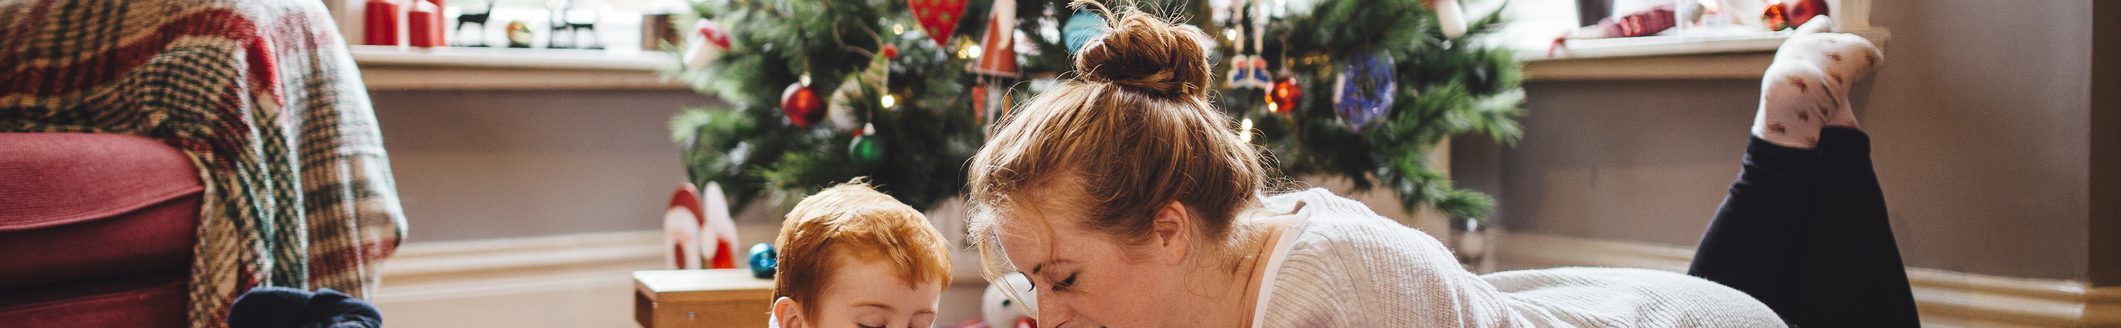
<point x="1146" y="54"/>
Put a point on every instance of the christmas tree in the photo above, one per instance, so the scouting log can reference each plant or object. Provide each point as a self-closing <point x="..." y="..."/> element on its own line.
<point x="902" y="91"/>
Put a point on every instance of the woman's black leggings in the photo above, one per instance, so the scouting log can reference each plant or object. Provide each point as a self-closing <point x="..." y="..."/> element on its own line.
<point x="1805" y="231"/>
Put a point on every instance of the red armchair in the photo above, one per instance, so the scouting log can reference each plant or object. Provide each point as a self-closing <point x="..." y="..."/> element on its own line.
<point x="95" y="230"/>
<point x="256" y="103"/>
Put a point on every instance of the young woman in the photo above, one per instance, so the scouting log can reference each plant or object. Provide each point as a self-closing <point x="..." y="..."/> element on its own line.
<point x="1126" y="200"/>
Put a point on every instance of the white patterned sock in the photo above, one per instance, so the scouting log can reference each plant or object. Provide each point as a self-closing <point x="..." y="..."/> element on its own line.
<point x="1806" y="88"/>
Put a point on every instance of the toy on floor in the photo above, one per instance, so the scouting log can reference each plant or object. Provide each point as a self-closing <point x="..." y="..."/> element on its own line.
<point x="698" y="231"/>
<point x="681" y="229"/>
<point x="719" y="226"/>
<point x="997" y="311"/>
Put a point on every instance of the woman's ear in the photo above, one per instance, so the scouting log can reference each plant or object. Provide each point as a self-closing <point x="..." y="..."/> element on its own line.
<point x="1174" y="231"/>
<point x="788" y="313"/>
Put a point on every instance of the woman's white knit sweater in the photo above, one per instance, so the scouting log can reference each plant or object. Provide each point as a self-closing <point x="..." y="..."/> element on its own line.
<point x="1349" y="267"/>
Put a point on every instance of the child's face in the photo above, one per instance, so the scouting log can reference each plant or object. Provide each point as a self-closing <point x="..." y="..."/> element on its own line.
<point x="868" y="294"/>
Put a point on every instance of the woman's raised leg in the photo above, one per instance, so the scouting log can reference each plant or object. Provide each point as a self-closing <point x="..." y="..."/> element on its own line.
<point x="1851" y="274"/>
<point x="1755" y="244"/>
<point x="1804" y="228"/>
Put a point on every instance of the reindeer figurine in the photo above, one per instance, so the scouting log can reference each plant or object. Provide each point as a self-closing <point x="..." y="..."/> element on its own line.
<point x="562" y="21"/>
<point x="478" y="18"/>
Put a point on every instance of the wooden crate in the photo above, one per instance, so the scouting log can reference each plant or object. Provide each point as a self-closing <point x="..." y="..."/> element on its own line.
<point x="701" y="298"/>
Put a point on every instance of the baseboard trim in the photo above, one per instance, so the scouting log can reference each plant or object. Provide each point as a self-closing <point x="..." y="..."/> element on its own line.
<point x="493" y="267"/>
<point x="575" y="280"/>
<point x="1945" y="298"/>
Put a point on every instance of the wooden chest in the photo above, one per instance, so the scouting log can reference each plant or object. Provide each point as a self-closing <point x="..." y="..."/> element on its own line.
<point x="701" y="298"/>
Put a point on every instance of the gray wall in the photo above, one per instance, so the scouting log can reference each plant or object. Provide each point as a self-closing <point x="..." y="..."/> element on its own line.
<point x="1980" y="119"/>
<point x="496" y="164"/>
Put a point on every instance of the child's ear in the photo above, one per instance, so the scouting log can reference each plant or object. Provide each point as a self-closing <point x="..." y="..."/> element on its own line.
<point x="788" y="313"/>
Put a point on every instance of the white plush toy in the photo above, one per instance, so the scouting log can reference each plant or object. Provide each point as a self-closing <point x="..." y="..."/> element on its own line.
<point x="718" y="234"/>
<point x="999" y="311"/>
<point x="1807" y="86"/>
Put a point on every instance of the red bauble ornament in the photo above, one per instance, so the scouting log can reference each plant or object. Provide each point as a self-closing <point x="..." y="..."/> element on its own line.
<point x="938" y="17"/>
<point x="890" y="51"/>
<point x="802" y="105"/>
<point x="1284" y="96"/>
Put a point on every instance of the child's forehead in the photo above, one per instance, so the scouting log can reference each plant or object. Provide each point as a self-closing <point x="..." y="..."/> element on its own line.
<point x="847" y="273"/>
<point x="871" y="265"/>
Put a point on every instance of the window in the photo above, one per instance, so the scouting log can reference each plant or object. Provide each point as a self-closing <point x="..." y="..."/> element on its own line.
<point x="1536" y="24"/>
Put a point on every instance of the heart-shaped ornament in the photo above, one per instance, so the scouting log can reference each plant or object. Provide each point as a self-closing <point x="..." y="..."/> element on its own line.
<point x="938" y="17"/>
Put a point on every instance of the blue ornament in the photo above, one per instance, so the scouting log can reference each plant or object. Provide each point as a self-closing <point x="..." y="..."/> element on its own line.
<point x="1081" y="28"/>
<point x="764" y="260"/>
<point x="1364" y="89"/>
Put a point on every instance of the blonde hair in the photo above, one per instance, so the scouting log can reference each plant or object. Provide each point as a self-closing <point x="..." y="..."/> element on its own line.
<point x="1133" y="132"/>
<point x="853" y="222"/>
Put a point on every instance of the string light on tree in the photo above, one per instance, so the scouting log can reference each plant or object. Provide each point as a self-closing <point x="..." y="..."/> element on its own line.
<point x="968" y="51"/>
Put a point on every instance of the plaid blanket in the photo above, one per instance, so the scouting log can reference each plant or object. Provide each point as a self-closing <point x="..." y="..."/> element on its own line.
<point x="262" y="96"/>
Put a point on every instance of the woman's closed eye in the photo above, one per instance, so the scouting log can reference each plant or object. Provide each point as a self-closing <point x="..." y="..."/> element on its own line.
<point x="1065" y="283"/>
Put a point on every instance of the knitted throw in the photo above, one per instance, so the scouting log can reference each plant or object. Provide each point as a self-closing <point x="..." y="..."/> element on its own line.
<point x="260" y="94"/>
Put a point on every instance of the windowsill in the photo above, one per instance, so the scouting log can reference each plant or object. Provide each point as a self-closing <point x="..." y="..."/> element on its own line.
<point x="404" y="68"/>
<point x="1640" y="58"/>
<point x="1663" y="57"/>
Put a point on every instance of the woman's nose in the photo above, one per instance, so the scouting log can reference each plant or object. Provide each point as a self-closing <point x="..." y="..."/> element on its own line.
<point x="1052" y="311"/>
